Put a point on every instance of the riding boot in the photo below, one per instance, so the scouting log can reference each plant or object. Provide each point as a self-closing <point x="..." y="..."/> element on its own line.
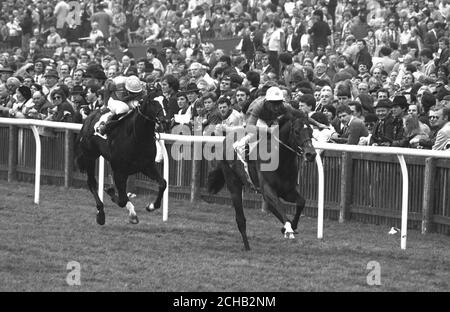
<point x="108" y="125"/>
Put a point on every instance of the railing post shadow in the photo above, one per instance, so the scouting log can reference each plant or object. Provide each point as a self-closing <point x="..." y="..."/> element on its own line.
<point x="346" y="186"/>
<point x="68" y="158"/>
<point x="428" y="194"/>
<point x="12" y="153"/>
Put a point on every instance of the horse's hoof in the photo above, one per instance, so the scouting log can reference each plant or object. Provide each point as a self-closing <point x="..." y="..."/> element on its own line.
<point x="133" y="219"/>
<point x="289" y="235"/>
<point x="101" y="217"/>
<point x="151" y="207"/>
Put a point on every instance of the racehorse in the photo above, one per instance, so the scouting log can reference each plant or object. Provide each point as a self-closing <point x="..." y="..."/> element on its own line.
<point x="294" y="140"/>
<point x="130" y="148"/>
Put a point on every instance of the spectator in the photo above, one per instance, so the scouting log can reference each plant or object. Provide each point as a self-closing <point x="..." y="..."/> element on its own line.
<point x="442" y="141"/>
<point x="351" y="128"/>
<point x="212" y="115"/>
<point x="62" y="110"/>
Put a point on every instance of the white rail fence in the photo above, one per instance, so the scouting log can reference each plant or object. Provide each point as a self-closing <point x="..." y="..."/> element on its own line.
<point x="399" y="152"/>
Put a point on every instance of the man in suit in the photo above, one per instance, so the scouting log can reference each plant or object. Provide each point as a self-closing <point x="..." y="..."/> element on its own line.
<point x="391" y="34"/>
<point x="249" y="43"/>
<point x="320" y="31"/>
<point x="430" y="40"/>
<point x="352" y="128"/>
<point x="126" y="65"/>
<point x="444" y="53"/>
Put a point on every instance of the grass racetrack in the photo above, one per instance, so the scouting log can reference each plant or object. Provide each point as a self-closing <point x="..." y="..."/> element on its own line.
<point x="199" y="249"/>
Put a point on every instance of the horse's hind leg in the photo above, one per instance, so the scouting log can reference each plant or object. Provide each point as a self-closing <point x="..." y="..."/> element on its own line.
<point x="122" y="200"/>
<point x="92" y="185"/>
<point x="235" y="187"/>
<point x="153" y="173"/>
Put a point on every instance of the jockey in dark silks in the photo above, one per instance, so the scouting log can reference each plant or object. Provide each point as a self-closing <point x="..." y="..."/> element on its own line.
<point x="263" y="113"/>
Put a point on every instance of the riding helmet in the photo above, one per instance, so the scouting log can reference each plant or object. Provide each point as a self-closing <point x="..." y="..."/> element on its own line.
<point x="133" y="84"/>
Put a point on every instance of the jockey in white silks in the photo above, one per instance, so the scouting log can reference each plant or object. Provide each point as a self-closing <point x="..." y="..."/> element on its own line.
<point x="128" y="91"/>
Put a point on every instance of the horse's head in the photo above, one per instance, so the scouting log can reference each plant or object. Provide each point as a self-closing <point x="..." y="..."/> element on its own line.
<point x="300" y="135"/>
<point x="152" y="108"/>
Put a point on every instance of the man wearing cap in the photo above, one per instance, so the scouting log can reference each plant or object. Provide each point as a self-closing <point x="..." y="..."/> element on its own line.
<point x="383" y="133"/>
<point x="120" y="102"/>
<point x="51" y="80"/>
<point x="5" y="73"/>
<point x="399" y="108"/>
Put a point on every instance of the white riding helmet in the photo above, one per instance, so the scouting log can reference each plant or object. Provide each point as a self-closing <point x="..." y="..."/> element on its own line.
<point x="133" y="84"/>
<point x="274" y="94"/>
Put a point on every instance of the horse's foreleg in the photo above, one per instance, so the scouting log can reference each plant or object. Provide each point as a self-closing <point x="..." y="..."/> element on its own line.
<point x="153" y="173"/>
<point x="120" y="180"/>
<point x="92" y="185"/>
<point x="292" y="197"/>
<point x="274" y="205"/>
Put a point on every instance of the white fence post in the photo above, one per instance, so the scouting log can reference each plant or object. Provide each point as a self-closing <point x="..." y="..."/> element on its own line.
<point x="101" y="177"/>
<point x="320" y="195"/>
<point x="37" y="174"/>
<point x="405" y="186"/>
<point x="166" y="177"/>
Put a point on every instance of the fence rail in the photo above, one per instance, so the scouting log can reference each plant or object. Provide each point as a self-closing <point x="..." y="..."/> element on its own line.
<point x="362" y="187"/>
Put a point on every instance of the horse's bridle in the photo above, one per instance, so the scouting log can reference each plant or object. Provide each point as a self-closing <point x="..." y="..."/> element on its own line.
<point x="154" y="119"/>
<point x="300" y="152"/>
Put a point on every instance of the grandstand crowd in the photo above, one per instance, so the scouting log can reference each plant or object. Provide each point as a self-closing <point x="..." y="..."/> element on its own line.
<point x="368" y="72"/>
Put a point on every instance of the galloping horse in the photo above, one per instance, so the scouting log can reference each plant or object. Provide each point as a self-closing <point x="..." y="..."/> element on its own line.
<point x="294" y="141"/>
<point x="130" y="148"/>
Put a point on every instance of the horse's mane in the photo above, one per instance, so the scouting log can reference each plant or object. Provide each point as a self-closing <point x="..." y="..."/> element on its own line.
<point x="291" y="115"/>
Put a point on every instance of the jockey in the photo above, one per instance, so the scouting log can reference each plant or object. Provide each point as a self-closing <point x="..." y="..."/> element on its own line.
<point x="128" y="92"/>
<point x="262" y="114"/>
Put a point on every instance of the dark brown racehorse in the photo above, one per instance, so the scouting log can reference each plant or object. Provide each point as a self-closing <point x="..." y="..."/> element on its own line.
<point x="294" y="141"/>
<point x="130" y="148"/>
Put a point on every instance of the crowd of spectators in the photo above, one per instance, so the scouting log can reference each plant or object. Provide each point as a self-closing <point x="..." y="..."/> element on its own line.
<point x="371" y="72"/>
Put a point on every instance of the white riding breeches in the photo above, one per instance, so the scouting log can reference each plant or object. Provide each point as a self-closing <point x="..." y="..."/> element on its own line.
<point x="117" y="107"/>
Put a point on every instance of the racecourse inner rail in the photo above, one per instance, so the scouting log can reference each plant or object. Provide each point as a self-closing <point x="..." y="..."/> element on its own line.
<point x="377" y="150"/>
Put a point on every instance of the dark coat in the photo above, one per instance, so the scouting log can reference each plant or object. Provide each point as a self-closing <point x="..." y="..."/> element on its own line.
<point x="430" y="41"/>
<point x="319" y="33"/>
<point x="363" y="57"/>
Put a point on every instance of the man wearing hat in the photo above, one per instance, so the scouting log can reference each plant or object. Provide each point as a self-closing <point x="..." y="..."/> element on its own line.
<point x="5" y="73"/>
<point x="399" y="111"/>
<point x="384" y="133"/>
<point x="51" y="80"/>
<point x="192" y="93"/>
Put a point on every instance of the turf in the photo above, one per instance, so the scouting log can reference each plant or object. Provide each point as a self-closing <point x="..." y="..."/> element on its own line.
<point x="199" y="249"/>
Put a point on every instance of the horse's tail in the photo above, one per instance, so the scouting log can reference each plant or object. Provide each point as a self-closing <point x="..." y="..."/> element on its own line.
<point x="216" y="180"/>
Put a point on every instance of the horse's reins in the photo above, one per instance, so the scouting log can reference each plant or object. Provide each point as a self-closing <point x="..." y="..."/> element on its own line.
<point x="302" y="151"/>
<point x="155" y="120"/>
